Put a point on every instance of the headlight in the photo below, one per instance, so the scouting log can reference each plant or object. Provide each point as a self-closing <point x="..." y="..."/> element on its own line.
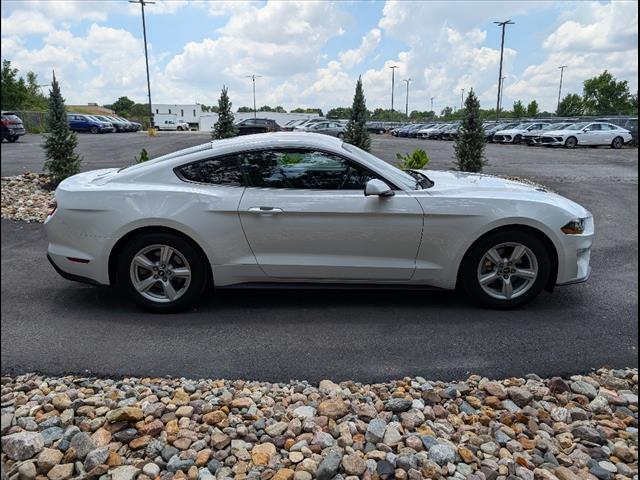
<point x="574" y="227"/>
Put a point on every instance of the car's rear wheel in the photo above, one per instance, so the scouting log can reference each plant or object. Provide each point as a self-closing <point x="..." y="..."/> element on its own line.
<point x="13" y="139"/>
<point x="162" y="272"/>
<point x="571" y="142"/>
<point x="617" y="143"/>
<point x="506" y="269"/>
<point x="94" y="129"/>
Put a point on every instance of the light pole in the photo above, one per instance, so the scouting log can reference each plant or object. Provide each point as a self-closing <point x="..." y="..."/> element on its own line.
<point x="461" y="98"/>
<point x="253" y="78"/>
<point x="432" y="103"/>
<point x="406" y="106"/>
<point x="393" y="82"/>
<point x="501" y="90"/>
<point x="146" y="55"/>
<point x="503" y="25"/>
<point x="560" y="89"/>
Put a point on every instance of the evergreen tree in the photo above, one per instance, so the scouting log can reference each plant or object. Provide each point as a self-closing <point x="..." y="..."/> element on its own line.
<point x="62" y="160"/>
<point x="224" y="127"/>
<point x="469" y="146"/>
<point x="533" y="109"/>
<point x="356" y="133"/>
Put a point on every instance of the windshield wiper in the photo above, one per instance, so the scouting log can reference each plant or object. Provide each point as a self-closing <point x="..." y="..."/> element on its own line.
<point x="422" y="180"/>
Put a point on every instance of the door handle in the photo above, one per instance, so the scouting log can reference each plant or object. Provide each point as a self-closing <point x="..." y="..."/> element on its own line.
<point x="265" y="210"/>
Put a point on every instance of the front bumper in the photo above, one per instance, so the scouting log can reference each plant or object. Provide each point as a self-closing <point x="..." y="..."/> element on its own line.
<point x="552" y="141"/>
<point x="574" y="256"/>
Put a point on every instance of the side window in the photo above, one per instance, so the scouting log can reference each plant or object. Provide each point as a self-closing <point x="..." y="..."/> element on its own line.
<point x="611" y="127"/>
<point x="302" y="169"/>
<point x="594" y="127"/>
<point x="215" y="171"/>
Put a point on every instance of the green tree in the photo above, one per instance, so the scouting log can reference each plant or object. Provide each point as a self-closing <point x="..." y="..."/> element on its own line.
<point x="570" y="106"/>
<point x="388" y="115"/>
<point x="245" y="110"/>
<point x="446" y="113"/>
<point x="266" y="108"/>
<point x="308" y="110"/>
<point x="518" y="109"/>
<point x="279" y="109"/>
<point x="356" y="133"/>
<point x="339" y="113"/>
<point x="533" y="109"/>
<point x="469" y="146"/>
<point x="604" y="95"/>
<point x="60" y="145"/>
<point x="122" y="106"/>
<point x="224" y="127"/>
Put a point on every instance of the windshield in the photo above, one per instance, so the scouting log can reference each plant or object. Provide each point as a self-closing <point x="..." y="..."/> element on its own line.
<point x="577" y="126"/>
<point x="556" y="126"/>
<point x="522" y="126"/>
<point x="392" y="173"/>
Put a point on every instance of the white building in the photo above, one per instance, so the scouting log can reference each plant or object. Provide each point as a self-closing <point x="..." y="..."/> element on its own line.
<point x="189" y="113"/>
<point x="207" y="120"/>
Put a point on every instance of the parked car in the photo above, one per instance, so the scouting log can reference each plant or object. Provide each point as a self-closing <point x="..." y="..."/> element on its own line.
<point x="425" y="128"/>
<point x="12" y="127"/>
<point x="532" y="137"/>
<point x="435" y="132"/>
<point x="88" y="123"/>
<point x="291" y="124"/>
<point x="376" y="127"/>
<point x="119" y="124"/>
<point x="257" y="125"/>
<point x="172" y="125"/>
<point x="490" y="131"/>
<point x="308" y="208"/>
<point x="514" y="135"/>
<point x="304" y="126"/>
<point x="587" y="134"/>
<point x="335" y="129"/>
<point x="630" y="124"/>
<point x="450" y="133"/>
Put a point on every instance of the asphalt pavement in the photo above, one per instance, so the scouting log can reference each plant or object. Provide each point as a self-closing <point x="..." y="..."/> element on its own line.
<point x="56" y="326"/>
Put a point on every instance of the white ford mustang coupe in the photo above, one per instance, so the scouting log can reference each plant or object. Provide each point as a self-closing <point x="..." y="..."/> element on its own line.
<point x="301" y="208"/>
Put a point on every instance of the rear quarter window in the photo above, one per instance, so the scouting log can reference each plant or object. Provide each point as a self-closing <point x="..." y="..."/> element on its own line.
<point x="213" y="171"/>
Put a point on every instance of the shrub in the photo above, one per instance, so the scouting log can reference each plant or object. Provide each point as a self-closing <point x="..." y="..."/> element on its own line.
<point x="412" y="161"/>
<point x="224" y="127"/>
<point x="356" y="133"/>
<point x="144" y="156"/>
<point x="62" y="159"/>
<point x="469" y="146"/>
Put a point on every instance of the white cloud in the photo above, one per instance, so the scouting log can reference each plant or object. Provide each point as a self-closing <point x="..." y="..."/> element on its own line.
<point x="23" y="22"/>
<point x="368" y="45"/>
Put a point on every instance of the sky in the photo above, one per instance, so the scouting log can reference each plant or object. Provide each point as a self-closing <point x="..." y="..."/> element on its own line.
<point x="310" y="54"/>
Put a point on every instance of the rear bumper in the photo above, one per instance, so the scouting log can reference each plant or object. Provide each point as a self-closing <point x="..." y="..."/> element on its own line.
<point x="71" y="276"/>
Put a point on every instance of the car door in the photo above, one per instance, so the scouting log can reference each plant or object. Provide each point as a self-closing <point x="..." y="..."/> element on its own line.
<point x="592" y="135"/>
<point x="305" y="216"/>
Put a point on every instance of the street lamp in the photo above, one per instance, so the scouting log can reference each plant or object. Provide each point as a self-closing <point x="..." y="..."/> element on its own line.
<point x="501" y="90"/>
<point x="393" y="82"/>
<point x="406" y="106"/>
<point x="432" y="103"/>
<point x="146" y="55"/>
<point x="560" y="89"/>
<point x="503" y="25"/>
<point x="461" y="98"/>
<point x="253" y="78"/>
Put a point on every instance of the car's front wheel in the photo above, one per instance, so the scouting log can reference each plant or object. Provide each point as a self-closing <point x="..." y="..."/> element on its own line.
<point x="162" y="272"/>
<point x="13" y="139"/>
<point x="617" y="143"/>
<point x="505" y="269"/>
<point x="571" y="142"/>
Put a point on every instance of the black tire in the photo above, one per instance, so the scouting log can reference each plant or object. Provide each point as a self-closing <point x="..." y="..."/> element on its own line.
<point x="617" y="143"/>
<point x="94" y="129"/>
<point x="197" y="263"/>
<point x="13" y="139"/>
<point x="571" y="142"/>
<point x="517" y="139"/>
<point x="470" y="284"/>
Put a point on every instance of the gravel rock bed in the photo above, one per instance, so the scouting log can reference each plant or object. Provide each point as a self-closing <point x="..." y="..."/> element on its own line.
<point x="24" y="197"/>
<point x="584" y="427"/>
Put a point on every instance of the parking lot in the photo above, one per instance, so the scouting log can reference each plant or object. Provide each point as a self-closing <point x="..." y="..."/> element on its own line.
<point x="56" y="326"/>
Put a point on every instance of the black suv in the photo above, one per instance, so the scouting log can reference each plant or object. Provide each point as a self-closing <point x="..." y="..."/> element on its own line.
<point x="12" y="127"/>
<point x="257" y="125"/>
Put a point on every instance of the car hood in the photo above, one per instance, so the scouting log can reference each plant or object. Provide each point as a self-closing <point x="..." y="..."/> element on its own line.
<point x="477" y="185"/>
<point x="560" y="132"/>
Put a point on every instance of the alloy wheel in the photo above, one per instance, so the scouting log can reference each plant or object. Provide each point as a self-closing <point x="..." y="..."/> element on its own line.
<point x="507" y="271"/>
<point x="160" y="273"/>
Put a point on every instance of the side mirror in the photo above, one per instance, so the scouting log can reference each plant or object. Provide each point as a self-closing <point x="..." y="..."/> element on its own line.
<point x="377" y="187"/>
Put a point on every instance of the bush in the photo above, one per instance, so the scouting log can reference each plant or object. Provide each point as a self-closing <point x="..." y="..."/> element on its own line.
<point x="60" y="145"/>
<point x="224" y="127"/>
<point x="469" y="146"/>
<point x="144" y="156"/>
<point x="356" y="133"/>
<point x="412" y="161"/>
